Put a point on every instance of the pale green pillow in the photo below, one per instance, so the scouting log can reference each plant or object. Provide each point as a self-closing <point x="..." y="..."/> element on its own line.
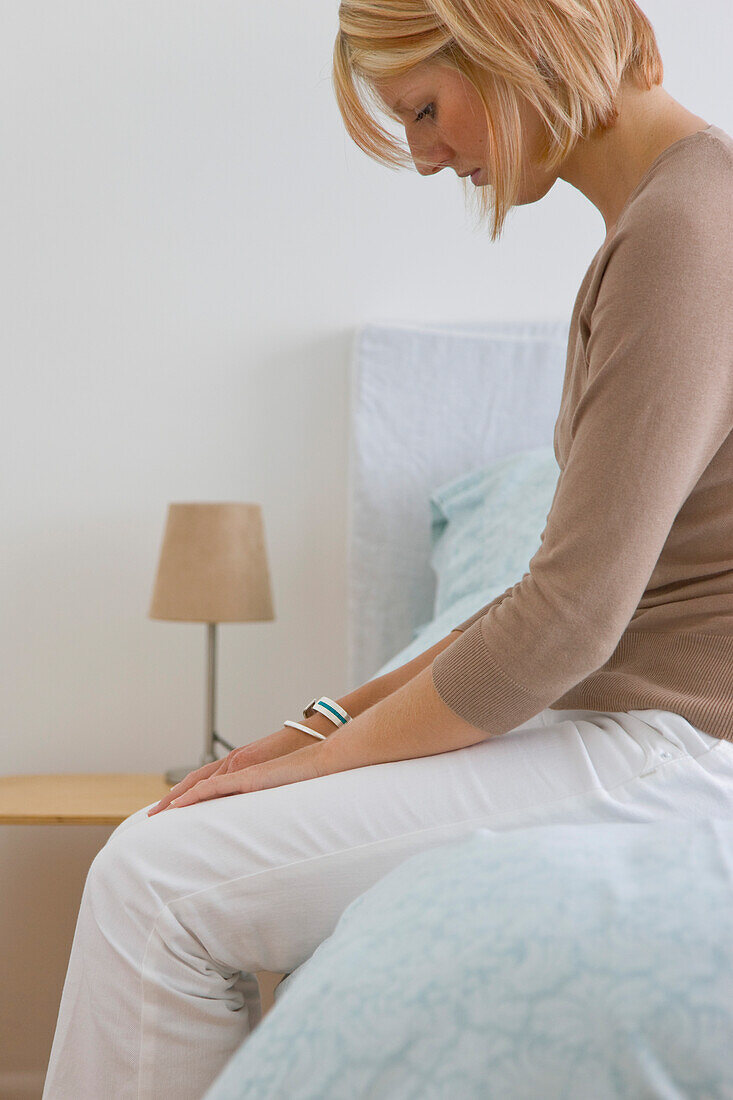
<point x="486" y="525"/>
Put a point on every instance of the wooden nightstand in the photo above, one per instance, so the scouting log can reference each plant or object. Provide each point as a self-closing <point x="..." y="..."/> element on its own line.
<point x="77" y="799"/>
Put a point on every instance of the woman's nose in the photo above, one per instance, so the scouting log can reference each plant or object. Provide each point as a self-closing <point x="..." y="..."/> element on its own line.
<point x="428" y="164"/>
<point x="428" y="161"/>
<point x="430" y="170"/>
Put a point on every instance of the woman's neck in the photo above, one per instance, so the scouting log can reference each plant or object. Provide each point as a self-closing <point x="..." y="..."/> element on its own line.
<point x="609" y="165"/>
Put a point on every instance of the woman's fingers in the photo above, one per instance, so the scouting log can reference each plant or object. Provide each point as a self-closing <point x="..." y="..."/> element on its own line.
<point x="306" y="763"/>
<point x="187" y="782"/>
<point x="240" y="758"/>
<point x="214" y="787"/>
<point x="244" y="757"/>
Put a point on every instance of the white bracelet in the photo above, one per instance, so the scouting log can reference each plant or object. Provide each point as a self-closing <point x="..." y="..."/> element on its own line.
<point x="331" y="710"/>
<point x="297" y="726"/>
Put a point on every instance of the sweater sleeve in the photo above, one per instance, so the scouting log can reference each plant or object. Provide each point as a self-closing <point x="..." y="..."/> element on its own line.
<point x="656" y="406"/>
<point x="487" y="607"/>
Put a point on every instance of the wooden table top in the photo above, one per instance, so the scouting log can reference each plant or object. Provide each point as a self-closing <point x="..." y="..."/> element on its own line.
<point x="77" y="799"/>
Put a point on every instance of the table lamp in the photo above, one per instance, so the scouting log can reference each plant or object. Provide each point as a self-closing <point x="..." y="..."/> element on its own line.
<point x="212" y="569"/>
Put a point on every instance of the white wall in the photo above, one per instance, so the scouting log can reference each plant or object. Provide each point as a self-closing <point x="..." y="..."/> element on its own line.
<point x="190" y="238"/>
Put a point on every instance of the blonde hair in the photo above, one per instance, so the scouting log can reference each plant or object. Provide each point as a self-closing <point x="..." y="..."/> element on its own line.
<point x="566" y="57"/>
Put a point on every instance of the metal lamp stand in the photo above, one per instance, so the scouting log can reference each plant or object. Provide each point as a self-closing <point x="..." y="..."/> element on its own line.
<point x="175" y="775"/>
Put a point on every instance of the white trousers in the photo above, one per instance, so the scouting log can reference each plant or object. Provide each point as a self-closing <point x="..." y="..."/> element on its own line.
<point x="179" y="910"/>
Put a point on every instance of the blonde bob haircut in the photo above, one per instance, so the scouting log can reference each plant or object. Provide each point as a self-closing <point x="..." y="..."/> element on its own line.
<point x="566" y="57"/>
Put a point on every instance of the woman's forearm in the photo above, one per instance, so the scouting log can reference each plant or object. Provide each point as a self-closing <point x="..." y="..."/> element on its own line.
<point x="366" y="695"/>
<point x="372" y="691"/>
<point x="409" y="722"/>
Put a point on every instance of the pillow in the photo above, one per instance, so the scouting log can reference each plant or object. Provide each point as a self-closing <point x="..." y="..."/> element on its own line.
<point x="485" y="529"/>
<point x="486" y="526"/>
<point x="554" y="961"/>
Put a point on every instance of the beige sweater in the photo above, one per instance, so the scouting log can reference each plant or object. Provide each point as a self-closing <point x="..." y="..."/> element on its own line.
<point x="628" y="602"/>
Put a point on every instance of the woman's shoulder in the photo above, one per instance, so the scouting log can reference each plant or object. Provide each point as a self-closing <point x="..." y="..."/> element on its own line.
<point x="687" y="190"/>
<point x="670" y="251"/>
<point x="719" y="139"/>
<point x="674" y="238"/>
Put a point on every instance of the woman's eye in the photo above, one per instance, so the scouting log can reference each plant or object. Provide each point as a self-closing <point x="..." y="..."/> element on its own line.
<point x="421" y="114"/>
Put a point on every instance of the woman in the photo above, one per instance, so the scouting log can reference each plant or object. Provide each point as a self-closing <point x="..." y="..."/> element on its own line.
<point x="604" y="677"/>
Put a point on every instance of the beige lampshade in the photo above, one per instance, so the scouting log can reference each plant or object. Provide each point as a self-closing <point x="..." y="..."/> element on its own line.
<point x="213" y="565"/>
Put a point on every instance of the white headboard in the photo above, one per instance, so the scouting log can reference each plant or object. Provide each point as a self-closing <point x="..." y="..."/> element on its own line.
<point x="428" y="403"/>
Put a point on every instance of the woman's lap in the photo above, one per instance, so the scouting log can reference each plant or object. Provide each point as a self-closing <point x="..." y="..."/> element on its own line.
<point x="340" y="832"/>
<point x="176" y="907"/>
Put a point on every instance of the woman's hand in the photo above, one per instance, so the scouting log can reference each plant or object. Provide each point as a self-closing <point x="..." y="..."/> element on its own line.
<point x="281" y="743"/>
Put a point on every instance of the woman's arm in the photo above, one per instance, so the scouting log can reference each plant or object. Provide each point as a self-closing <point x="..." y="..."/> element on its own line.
<point x="411" y="721"/>
<point x="372" y="691"/>
<point x="369" y="693"/>
<point x="287" y="740"/>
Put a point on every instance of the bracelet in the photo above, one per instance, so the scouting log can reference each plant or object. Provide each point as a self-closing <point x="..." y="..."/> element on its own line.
<point x="313" y="733"/>
<point x="330" y="709"/>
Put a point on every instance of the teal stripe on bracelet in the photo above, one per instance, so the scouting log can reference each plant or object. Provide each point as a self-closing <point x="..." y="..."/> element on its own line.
<point x="335" y="713"/>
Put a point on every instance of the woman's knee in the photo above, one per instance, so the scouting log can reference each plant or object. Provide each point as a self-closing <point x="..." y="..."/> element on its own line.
<point x="133" y="819"/>
<point x="128" y="872"/>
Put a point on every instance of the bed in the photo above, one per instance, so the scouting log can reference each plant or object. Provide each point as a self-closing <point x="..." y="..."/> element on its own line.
<point x="549" y="963"/>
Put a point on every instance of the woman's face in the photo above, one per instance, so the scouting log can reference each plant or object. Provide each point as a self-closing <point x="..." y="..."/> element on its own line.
<point x="445" y="127"/>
